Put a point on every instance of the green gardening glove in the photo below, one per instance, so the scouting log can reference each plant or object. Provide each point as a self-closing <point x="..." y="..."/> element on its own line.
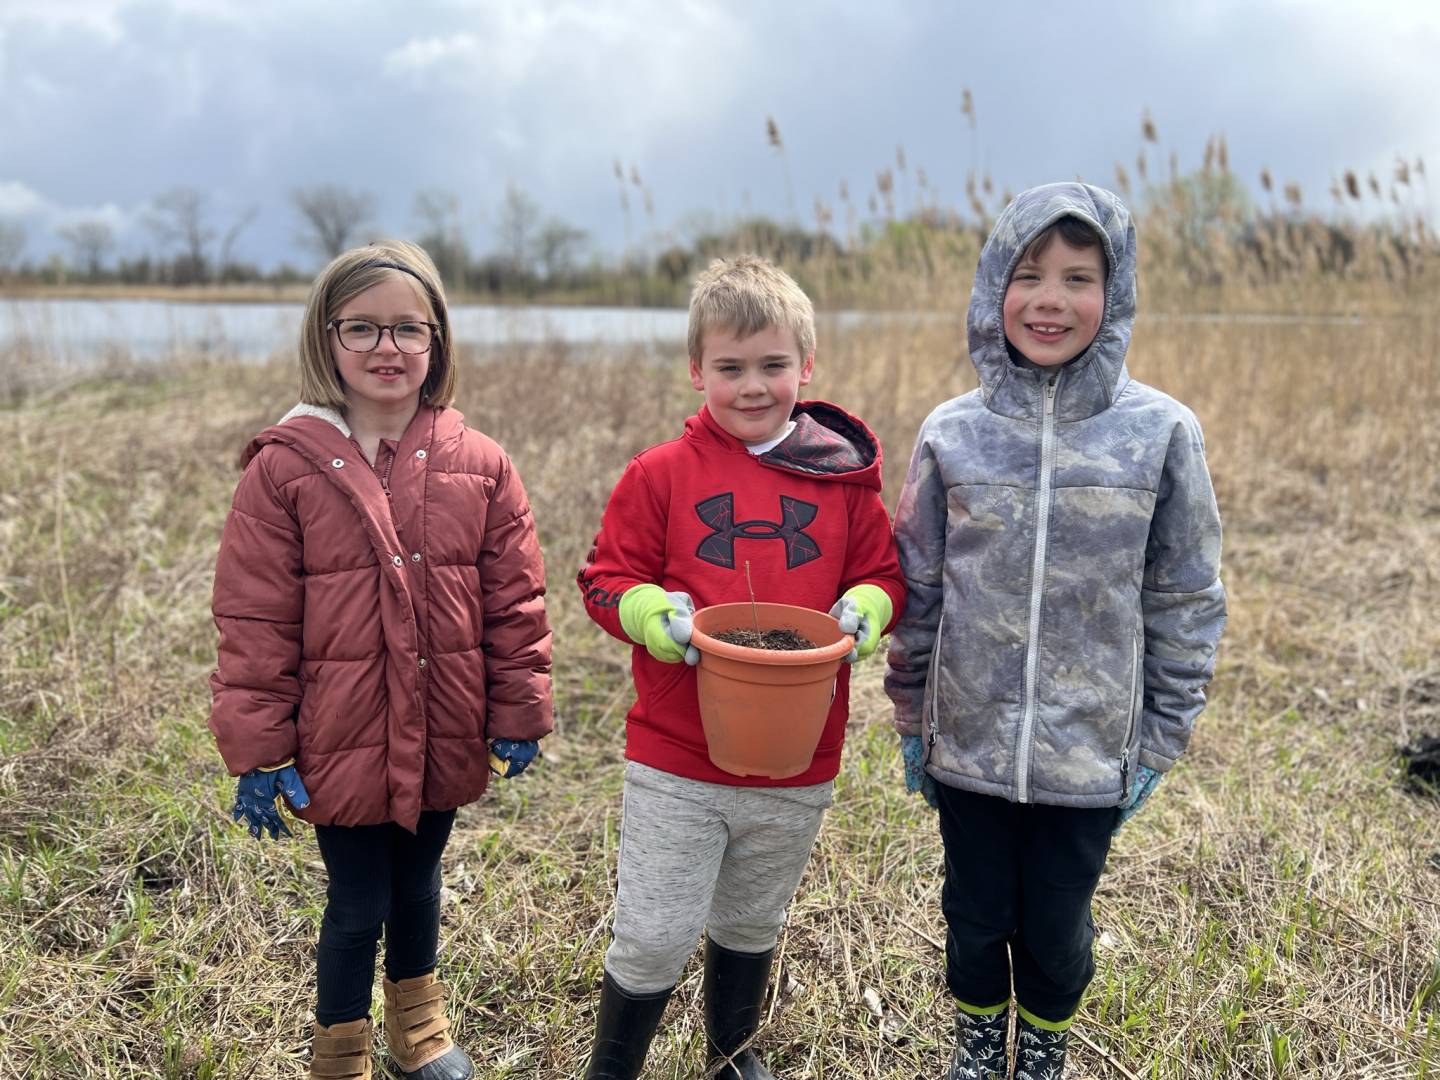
<point x="661" y="621"/>
<point x="864" y="611"/>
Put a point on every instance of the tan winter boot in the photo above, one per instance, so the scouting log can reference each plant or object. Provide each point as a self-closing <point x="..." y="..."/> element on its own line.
<point x="417" y="1031"/>
<point x="341" y="1051"/>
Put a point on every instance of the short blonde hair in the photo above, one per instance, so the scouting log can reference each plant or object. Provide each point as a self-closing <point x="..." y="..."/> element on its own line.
<point x="745" y="295"/>
<point x="348" y="275"/>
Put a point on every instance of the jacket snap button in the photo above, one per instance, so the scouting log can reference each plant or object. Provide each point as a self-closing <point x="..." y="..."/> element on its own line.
<point x="422" y="661"/>
<point x="337" y="463"/>
<point x="420" y="453"/>
<point x="415" y="557"/>
<point x="397" y="560"/>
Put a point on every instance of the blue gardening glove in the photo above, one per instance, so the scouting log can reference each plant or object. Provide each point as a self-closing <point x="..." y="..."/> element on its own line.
<point x="1146" y="781"/>
<point x="864" y="611"/>
<point x="661" y="621"/>
<point x="509" y="757"/>
<point x="257" y="798"/>
<point x="912" y="752"/>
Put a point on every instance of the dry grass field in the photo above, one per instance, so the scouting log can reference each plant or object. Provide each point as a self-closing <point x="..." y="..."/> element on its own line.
<point x="1274" y="912"/>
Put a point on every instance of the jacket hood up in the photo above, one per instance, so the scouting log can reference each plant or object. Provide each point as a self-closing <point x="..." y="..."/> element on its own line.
<point x="827" y="443"/>
<point x="1094" y="380"/>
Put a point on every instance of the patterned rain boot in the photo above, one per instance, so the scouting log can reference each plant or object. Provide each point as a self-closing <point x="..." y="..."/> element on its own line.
<point x="418" y="1031"/>
<point x="980" y="1045"/>
<point x="1039" y="1050"/>
<point x="341" y="1051"/>
<point x="735" y="985"/>
<point x="624" y="1025"/>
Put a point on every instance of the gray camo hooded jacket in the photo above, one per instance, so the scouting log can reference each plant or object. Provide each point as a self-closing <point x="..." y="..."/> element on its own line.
<point x="1061" y="547"/>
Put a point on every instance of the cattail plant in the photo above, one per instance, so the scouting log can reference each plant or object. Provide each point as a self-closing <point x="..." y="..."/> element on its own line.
<point x="772" y="136"/>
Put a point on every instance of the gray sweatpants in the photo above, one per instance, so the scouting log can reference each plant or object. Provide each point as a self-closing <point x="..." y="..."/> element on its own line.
<point x="697" y="856"/>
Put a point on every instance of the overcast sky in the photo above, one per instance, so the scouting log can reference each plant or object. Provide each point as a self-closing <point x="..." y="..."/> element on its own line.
<point x="105" y="104"/>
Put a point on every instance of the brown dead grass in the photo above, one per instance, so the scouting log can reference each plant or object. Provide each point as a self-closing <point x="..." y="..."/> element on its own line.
<point x="1271" y="914"/>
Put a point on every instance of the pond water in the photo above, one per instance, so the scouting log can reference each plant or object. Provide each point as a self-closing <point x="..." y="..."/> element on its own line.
<point x="71" y="331"/>
<point x="77" y="332"/>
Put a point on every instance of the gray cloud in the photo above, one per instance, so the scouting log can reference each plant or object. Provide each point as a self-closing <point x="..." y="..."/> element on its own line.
<point x="104" y="105"/>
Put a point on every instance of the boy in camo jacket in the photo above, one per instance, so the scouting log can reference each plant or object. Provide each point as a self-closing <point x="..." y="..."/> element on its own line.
<point x="1061" y="548"/>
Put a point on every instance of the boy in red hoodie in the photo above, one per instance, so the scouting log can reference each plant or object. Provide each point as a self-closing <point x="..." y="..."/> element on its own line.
<point x="793" y="489"/>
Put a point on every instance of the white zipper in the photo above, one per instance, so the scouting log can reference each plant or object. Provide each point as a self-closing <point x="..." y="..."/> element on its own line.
<point x="1037" y="588"/>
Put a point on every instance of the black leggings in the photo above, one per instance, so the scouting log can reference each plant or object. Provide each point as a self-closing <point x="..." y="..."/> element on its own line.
<point x="380" y="875"/>
<point x="1018" y="883"/>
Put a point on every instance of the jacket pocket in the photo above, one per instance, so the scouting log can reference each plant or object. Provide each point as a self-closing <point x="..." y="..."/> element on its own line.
<point x="663" y="683"/>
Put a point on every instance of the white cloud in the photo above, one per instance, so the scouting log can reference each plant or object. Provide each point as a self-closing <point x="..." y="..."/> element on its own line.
<point x="99" y="17"/>
<point x="106" y="18"/>
<point x="18" y="200"/>
<point x="559" y="86"/>
<point x="418" y="56"/>
<point x="109" y="102"/>
<point x="121" y="221"/>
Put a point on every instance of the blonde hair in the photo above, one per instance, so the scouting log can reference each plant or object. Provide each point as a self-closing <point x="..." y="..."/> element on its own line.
<point x="348" y="275"/>
<point x="745" y="295"/>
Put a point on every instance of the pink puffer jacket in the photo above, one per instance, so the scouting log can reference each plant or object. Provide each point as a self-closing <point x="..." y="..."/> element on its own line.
<point x="378" y="638"/>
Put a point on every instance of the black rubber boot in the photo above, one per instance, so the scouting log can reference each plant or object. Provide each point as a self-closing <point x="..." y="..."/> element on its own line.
<point x="1039" y="1052"/>
<point x="624" y="1025"/>
<point x="454" y="1064"/>
<point x="734" y="999"/>
<point x="980" y="1046"/>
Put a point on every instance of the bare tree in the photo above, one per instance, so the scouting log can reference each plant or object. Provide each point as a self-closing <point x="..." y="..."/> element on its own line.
<point x="227" y="243"/>
<point x="438" y="211"/>
<point x="332" y="215"/>
<point x="177" y="219"/>
<point x="519" y="218"/>
<point x="558" y="245"/>
<point x="12" y="246"/>
<point x="90" y="241"/>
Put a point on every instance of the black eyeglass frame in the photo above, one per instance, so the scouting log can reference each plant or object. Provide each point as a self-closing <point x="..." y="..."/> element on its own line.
<point x="334" y="324"/>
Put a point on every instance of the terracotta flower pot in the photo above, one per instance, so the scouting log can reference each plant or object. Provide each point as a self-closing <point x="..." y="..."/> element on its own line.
<point x="763" y="710"/>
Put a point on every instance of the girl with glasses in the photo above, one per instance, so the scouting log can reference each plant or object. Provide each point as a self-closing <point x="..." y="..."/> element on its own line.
<point x="383" y="641"/>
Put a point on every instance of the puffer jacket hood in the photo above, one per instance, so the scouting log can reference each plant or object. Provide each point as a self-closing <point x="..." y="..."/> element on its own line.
<point x="292" y="428"/>
<point x="1097" y="376"/>
<point x="1061" y="548"/>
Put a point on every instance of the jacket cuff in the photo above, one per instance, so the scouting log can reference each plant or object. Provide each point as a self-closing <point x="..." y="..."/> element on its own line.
<point x="1153" y="759"/>
<point x="908" y="719"/>
<point x="252" y="754"/>
<point x="529" y="722"/>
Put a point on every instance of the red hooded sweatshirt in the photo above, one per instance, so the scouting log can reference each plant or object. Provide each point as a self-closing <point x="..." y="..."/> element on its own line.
<point x="688" y="514"/>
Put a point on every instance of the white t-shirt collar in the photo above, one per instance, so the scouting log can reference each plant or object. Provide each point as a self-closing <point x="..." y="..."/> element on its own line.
<point x="765" y="447"/>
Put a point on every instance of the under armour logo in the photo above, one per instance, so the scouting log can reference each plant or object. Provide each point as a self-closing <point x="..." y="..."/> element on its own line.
<point x="718" y="512"/>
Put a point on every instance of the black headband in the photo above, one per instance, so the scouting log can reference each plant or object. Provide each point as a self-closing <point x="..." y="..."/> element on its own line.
<point x="378" y="264"/>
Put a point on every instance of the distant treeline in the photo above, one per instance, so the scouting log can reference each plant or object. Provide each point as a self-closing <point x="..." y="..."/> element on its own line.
<point x="900" y="242"/>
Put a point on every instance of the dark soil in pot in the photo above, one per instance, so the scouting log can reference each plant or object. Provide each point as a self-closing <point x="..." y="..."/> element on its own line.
<point x="777" y="639"/>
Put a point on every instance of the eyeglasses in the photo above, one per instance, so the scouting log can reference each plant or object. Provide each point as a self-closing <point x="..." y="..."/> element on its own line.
<point x="362" y="335"/>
